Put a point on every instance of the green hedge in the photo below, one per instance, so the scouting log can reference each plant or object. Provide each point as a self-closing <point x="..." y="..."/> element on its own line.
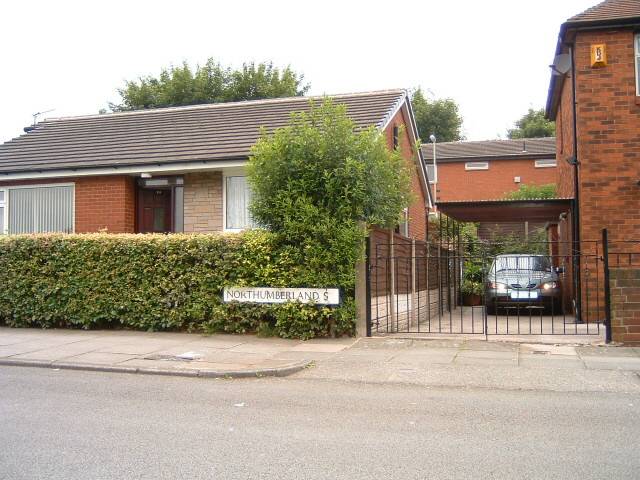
<point x="166" y="282"/>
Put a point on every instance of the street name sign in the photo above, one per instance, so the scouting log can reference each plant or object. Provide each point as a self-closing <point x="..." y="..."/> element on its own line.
<point x="318" y="296"/>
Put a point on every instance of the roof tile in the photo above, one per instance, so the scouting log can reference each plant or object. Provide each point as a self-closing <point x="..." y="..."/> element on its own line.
<point x="521" y="148"/>
<point x="608" y="10"/>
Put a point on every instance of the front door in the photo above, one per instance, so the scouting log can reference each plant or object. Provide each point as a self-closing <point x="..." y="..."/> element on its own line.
<point x="154" y="210"/>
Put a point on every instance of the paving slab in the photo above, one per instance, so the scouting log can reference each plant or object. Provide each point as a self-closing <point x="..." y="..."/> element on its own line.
<point x="28" y="347"/>
<point x="318" y="347"/>
<point x="98" y="358"/>
<point x="612" y="363"/>
<point x="479" y="345"/>
<point x="548" y="349"/>
<point x="422" y="358"/>
<point x="531" y="360"/>
<point x="607" y="351"/>
<point x="59" y="352"/>
<point x="487" y="354"/>
<point x="269" y="348"/>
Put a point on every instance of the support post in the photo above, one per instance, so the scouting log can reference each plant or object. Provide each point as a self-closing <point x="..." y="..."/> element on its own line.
<point x="392" y="296"/>
<point x="607" y="286"/>
<point x="413" y="283"/>
<point x="363" y="292"/>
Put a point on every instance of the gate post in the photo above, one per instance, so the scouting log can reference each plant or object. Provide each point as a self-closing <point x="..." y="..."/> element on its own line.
<point x="363" y="292"/>
<point x="607" y="286"/>
<point x="368" y="285"/>
<point x="392" y="272"/>
<point x="413" y="283"/>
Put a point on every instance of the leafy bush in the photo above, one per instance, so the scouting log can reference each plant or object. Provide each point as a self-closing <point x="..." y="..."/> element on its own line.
<point x="161" y="282"/>
<point x="526" y="192"/>
<point x="319" y="164"/>
<point x="315" y="183"/>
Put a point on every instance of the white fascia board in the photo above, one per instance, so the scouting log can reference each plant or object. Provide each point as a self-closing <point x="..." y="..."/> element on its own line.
<point x="392" y="113"/>
<point x="421" y="163"/>
<point x="163" y="168"/>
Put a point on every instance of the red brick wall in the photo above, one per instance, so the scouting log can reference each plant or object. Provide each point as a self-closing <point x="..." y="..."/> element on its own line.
<point x="625" y="305"/>
<point x="457" y="184"/>
<point x="608" y="137"/>
<point x="417" y="210"/>
<point x="101" y="203"/>
<point x="564" y="143"/>
<point x="105" y="203"/>
<point x="608" y="131"/>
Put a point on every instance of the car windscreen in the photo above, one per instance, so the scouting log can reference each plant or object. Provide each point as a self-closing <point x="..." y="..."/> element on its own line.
<point x="533" y="263"/>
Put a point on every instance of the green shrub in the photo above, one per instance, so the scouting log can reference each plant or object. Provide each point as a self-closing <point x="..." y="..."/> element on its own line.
<point x="164" y="282"/>
<point x="315" y="183"/>
<point x="526" y="192"/>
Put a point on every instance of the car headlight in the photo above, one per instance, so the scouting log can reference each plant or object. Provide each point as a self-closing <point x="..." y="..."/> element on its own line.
<point x="549" y="285"/>
<point x="500" y="287"/>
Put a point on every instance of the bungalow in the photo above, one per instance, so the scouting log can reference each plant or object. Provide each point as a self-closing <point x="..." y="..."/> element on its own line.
<point x="170" y="169"/>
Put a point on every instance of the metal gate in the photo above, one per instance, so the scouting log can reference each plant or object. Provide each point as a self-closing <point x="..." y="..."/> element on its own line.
<point x="553" y="288"/>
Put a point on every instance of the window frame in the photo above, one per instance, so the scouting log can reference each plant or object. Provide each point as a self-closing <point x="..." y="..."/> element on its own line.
<point x="434" y="180"/>
<point x="471" y="166"/>
<point x="403" y="226"/>
<point x="226" y="175"/>
<point x="7" y="200"/>
<point x="4" y="203"/>
<point x="538" y="164"/>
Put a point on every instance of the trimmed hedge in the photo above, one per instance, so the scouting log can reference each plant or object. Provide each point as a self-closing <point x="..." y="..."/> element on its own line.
<point x="166" y="282"/>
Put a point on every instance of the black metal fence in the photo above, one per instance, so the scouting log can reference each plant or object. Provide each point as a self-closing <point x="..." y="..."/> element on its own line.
<point x="555" y="288"/>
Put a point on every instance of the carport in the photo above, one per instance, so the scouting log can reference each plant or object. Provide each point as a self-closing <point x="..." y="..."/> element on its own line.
<point x="419" y="287"/>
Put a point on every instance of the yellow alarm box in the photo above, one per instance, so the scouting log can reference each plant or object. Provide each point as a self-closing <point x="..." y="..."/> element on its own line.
<point x="598" y="55"/>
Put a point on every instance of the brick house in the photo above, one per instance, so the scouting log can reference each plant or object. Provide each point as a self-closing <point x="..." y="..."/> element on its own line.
<point x="488" y="170"/>
<point x="597" y="64"/>
<point x="171" y="169"/>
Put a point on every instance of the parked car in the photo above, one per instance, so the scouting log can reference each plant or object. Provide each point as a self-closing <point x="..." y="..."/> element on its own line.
<point x="523" y="280"/>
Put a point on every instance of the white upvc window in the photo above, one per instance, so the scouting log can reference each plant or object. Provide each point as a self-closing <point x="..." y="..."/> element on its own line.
<point x="237" y="197"/>
<point x="546" y="163"/>
<point x="4" y="212"/>
<point x="432" y="173"/>
<point x="403" y="227"/>
<point x="637" y="50"/>
<point x="39" y="209"/>
<point x="476" y="166"/>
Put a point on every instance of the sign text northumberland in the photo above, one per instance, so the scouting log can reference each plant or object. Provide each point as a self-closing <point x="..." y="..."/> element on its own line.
<point x="319" y="296"/>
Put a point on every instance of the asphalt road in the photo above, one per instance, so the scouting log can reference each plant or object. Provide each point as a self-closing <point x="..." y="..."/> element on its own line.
<point x="90" y="425"/>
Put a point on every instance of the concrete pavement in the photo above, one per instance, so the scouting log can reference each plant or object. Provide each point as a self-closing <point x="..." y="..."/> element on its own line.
<point x="478" y="364"/>
<point x="162" y="353"/>
<point x="446" y="362"/>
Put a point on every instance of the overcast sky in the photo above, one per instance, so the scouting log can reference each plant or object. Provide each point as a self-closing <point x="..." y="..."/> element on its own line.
<point x="490" y="56"/>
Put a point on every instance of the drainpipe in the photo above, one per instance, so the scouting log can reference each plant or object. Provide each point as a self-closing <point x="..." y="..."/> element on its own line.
<point x="576" y="194"/>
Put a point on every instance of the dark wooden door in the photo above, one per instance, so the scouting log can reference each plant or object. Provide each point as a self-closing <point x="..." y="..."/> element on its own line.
<point x="154" y="210"/>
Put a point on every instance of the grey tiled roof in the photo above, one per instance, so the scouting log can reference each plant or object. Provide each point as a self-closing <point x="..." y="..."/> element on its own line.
<point x="495" y="149"/>
<point x="609" y="10"/>
<point x="184" y="134"/>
